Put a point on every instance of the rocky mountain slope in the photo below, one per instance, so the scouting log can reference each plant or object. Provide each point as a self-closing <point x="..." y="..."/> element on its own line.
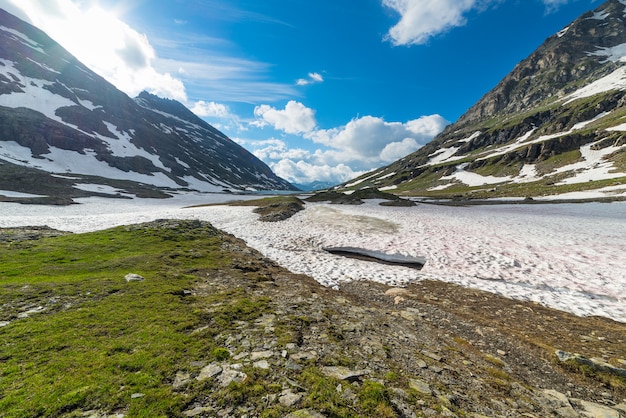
<point x="555" y="124"/>
<point x="59" y="117"/>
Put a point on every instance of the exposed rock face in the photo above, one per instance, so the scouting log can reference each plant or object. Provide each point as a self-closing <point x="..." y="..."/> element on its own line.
<point x="557" y="66"/>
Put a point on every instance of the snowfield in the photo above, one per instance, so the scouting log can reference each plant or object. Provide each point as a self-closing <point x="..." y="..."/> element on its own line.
<point x="567" y="256"/>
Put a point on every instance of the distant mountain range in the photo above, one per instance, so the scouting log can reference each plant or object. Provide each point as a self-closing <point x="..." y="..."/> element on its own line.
<point x="65" y="132"/>
<point x="555" y="125"/>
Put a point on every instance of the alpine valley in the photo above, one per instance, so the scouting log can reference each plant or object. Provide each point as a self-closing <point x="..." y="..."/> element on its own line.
<point x="65" y="132"/>
<point x="555" y="126"/>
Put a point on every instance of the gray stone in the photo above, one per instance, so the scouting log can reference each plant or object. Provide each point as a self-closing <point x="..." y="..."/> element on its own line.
<point x="257" y="355"/>
<point x="261" y="364"/>
<point x="137" y="395"/>
<point x="304" y="355"/>
<point x="594" y="410"/>
<point x="402" y="407"/>
<point x="431" y="355"/>
<point x="199" y="410"/>
<point x="343" y="373"/>
<point x="305" y="413"/>
<point x="288" y="398"/>
<point x="229" y="375"/>
<point x="421" y="363"/>
<point x="209" y="371"/>
<point x="597" y="364"/>
<point x="132" y="277"/>
<point x="181" y="379"/>
<point x="420" y="386"/>
<point x="555" y="397"/>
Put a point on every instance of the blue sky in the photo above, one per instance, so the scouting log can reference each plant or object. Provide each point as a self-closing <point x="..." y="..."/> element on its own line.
<point x="319" y="90"/>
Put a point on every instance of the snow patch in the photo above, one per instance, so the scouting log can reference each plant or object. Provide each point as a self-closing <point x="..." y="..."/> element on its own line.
<point x="24" y="39"/>
<point x="66" y="161"/>
<point x="614" y="81"/>
<point x="10" y="193"/>
<point x="473" y="179"/>
<point x="101" y="188"/>
<point x="567" y="256"/>
<point x="615" y="53"/>
<point x="593" y="166"/>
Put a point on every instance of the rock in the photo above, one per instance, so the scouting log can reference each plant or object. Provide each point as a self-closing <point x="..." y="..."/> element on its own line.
<point x="257" y="355"/>
<point x="305" y="413"/>
<point x="289" y="399"/>
<point x="560" y="403"/>
<point x="594" y="410"/>
<point x="343" y="373"/>
<point x="621" y="408"/>
<point x="304" y="355"/>
<point x="431" y="355"/>
<point x="403" y="408"/>
<point x="181" y="379"/>
<point x="595" y="363"/>
<point x="420" y="386"/>
<point x="411" y="314"/>
<point x="262" y="364"/>
<point x="209" y="371"/>
<point x="555" y="397"/>
<point x="397" y="291"/>
<point x="137" y="395"/>
<point x="199" y="410"/>
<point x="229" y="375"/>
<point x="421" y="363"/>
<point x="132" y="277"/>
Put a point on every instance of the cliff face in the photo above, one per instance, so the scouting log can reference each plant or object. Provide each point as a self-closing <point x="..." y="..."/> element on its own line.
<point x="553" y="125"/>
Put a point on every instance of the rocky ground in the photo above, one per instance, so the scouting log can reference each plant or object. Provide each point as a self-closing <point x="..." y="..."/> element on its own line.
<point x="438" y="350"/>
<point x="431" y="349"/>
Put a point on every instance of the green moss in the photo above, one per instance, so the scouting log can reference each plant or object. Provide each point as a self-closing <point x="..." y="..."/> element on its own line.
<point x="99" y="339"/>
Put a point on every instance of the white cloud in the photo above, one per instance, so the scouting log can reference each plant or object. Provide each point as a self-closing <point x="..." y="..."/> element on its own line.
<point x="312" y="79"/>
<point x="367" y="137"/>
<point x="345" y="152"/>
<point x="296" y="118"/>
<point x="104" y="43"/>
<point x="396" y="150"/>
<point x="421" y="20"/>
<point x="211" y="109"/>
<point x="303" y="172"/>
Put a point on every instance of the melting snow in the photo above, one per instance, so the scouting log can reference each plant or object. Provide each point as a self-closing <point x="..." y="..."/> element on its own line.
<point x="569" y="257"/>
<point x="614" y="81"/>
<point x="35" y="96"/>
<point x="10" y="193"/>
<point x="592" y="167"/>
<point x="473" y="179"/>
<point x="616" y="53"/>
<point x="24" y="39"/>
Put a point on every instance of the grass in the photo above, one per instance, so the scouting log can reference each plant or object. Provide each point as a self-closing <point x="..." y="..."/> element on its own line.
<point x="100" y="340"/>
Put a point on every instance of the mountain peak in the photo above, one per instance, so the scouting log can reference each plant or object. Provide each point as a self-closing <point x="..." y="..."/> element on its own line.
<point x="59" y="117"/>
<point x="577" y="52"/>
<point x="555" y="124"/>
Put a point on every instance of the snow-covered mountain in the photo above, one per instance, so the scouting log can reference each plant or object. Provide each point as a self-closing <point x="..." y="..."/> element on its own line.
<point x="66" y="130"/>
<point x="556" y="125"/>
